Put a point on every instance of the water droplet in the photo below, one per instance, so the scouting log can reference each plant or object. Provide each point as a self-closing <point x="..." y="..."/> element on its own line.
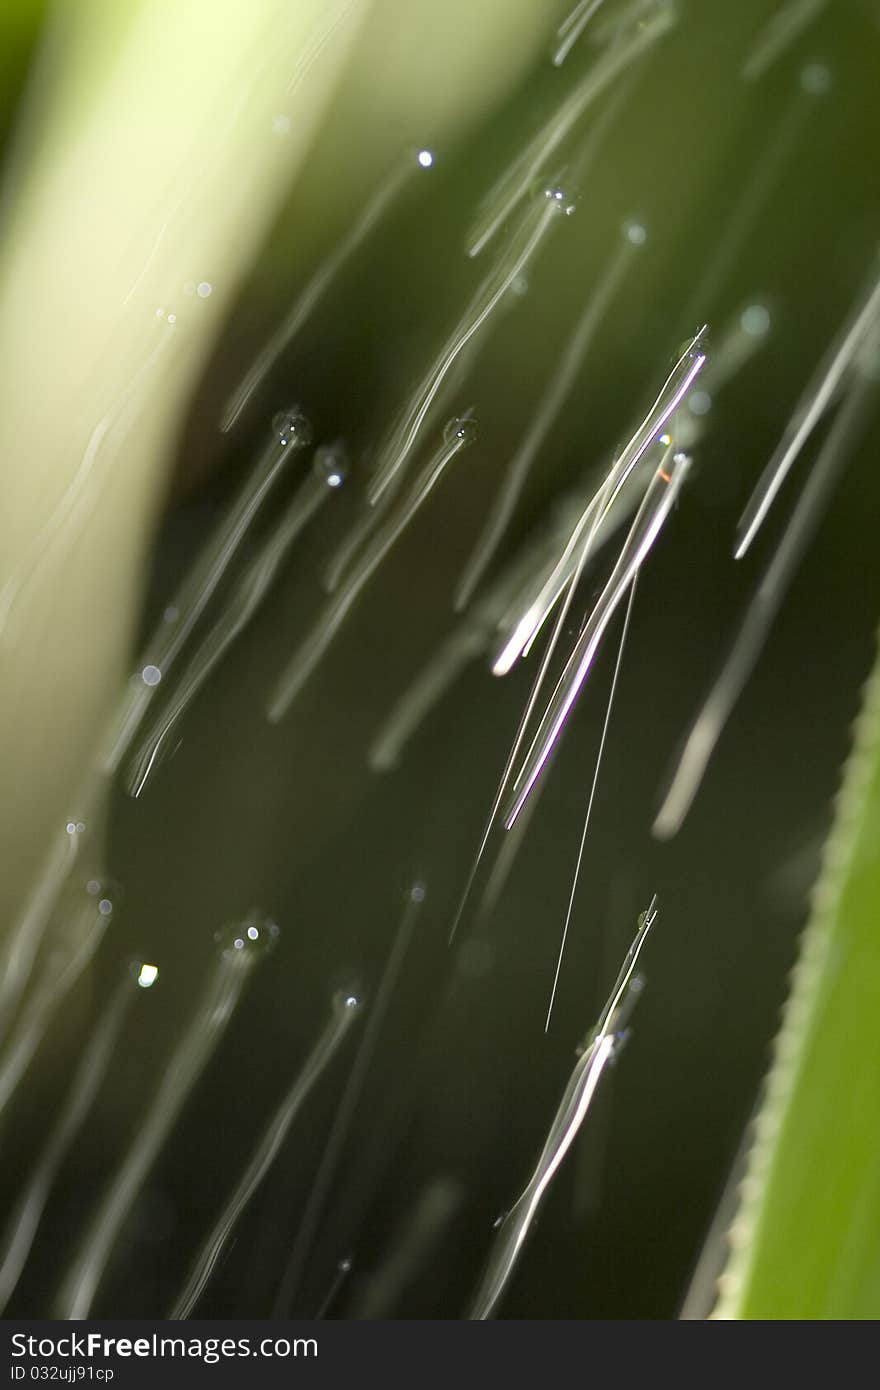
<point x="815" y="79"/>
<point x="330" y="464"/>
<point x="71" y="827"/>
<point x="344" y="1000"/>
<point x="254" y="935"/>
<point x="147" y="975"/>
<point x="461" y="428"/>
<point x="425" y="158"/>
<point x="292" y="427"/>
<point x="151" y="675"/>
<point x="105" y="907"/>
<point x="203" y="289"/>
<point x="755" y="320"/>
<point x="635" y="232"/>
<point x="172" y="318"/>
<point x="560" y="198"/>
<point x="417" y="892"/>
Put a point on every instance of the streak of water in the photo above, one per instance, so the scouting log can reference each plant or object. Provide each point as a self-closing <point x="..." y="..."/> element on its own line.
<point x="344" y="1010"/>
<point x="709" y="724"/>
<point x="290" y="433"/>
<point x="312" y="294"/>
<point x="520" y="176"/>
<point x="241" y="947"/>
<point x="459" y="433"/>
<point x="24" y="1221"/>
<point x="547" y="412"/>
<point x="328" y="474"/>
<point x="570" y="1115"/>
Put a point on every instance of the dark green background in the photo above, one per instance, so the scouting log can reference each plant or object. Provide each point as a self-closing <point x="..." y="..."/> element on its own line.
<point x="464" y="1083"/>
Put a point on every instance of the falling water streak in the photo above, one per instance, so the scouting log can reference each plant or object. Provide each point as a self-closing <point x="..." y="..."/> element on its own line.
<point x="748" y="644"/>
<point x="738" y="343"/>
<point x="10" y="591"/>
<point x="672" y="393"/>
<point x="372" y="516"/>
<point x="249" y="594"/>
<point x="764" y="179"/>
<point x="590" y="800"/>
<point x="590" y="1160"/>
<point x="569" y="1117"/>
<point x="576" y="17"/>
<point x="410" y="1253"/>
<point x="462" y="647"/>
<point x="817" y="398"/>
<point x="30" y="928"/>
<point x="742" y="338"/>
<point x="597" y="509"/>
<point x="63" y="967"/>
<point x="256" y="77"/>
<point x="467" y="642"/>
<point x="644" y="531"/>
<point x="292" y="433"/>
<point x="782" y="29"/>
<point x="351" y="1095"/>
<point x="23" y="1224"/>
<point x="615" y="21"/>
<point x="572" y="27"/>
<point x="545" y="417"/>
<point x="529" y="235"/>
<point x="524" y="621"/>
<point x="515" y="1227"/>
<point x="343" y="1270"/>
<point x="362" y="529"/>
<point x="598" y="131"/>
<point x="459" y="433"/>
<point x="625" y="980"/>
<point x="526" y="716"/>
<point x="154" y="249"/>
<point x="520" y="639"/>
<point x="208" y="1024"/>
<point x="75" y="505"/>
<point x="505" y="859"/>
<point x="516" y="181"/>
<point x="344" y="1010"/>
<point x="315" y="290"/>
<point x="319" y="43"/>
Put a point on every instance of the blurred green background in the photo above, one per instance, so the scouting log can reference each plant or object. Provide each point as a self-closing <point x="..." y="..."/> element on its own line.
<point x="464" y="1084"/>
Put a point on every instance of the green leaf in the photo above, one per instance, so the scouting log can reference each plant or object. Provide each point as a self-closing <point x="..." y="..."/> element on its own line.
<point x="806" y="1242"/>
